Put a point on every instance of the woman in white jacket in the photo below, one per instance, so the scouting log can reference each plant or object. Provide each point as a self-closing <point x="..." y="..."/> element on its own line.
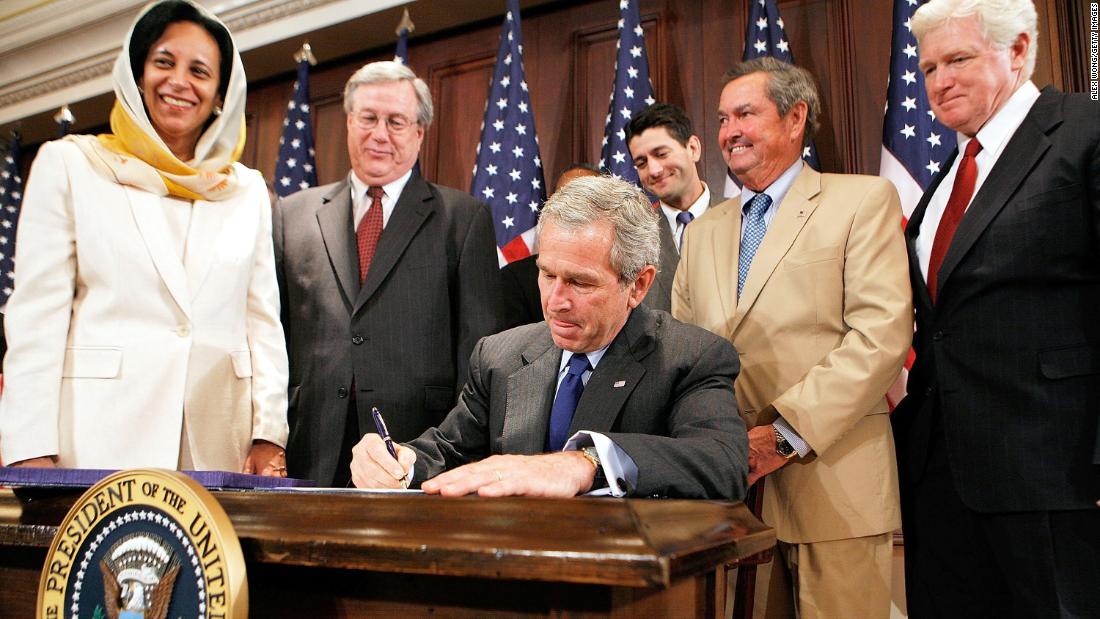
<point x="144" y="327"/>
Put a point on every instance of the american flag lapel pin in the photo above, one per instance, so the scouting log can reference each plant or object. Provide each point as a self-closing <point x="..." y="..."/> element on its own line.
<point x="619" y="383"/>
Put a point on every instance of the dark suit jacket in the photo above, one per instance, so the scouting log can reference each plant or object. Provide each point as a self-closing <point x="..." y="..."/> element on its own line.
<point x="1010" y="353"/>
<point x="522" y="301"/>
<point x="675" y="413"/>
<point x="404" y="338"/>
<point x="660" y="294"/>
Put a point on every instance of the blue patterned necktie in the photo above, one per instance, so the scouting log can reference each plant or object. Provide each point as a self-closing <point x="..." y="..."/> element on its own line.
<point x="565" y="402"/>
<point x="753" y="234"/>
<point x="683" y="218"/>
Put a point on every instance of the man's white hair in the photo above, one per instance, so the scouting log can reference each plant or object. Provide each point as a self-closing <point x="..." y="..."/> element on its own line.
<point x="1001" y="22"/>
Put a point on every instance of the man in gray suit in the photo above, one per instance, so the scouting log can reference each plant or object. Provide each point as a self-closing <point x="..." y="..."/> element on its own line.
<point x="665" y="150"/>
<point x="387" y="283"/>
<point x="655" y="417"/>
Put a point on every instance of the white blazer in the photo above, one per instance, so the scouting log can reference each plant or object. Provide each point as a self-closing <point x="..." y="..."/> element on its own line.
<point x="113" y="340"/>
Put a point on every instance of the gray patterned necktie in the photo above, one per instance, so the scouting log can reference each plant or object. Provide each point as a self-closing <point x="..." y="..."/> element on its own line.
<point x="755" y="227"/>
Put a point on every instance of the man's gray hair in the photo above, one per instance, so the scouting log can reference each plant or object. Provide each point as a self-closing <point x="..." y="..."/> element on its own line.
<point x="385" y="72"/>
<point x="1001" y="22"/>
<point x="787" y="85"/>
<point x="589" y="199"/>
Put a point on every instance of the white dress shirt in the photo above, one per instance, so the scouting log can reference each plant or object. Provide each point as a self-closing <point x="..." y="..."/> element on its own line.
<point x="993" y="136"/>
<point x="360" y="201"/>
<point x="696" y="209"/>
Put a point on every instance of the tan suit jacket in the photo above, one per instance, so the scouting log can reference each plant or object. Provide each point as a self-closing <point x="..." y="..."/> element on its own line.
<point x="822" y="328"/>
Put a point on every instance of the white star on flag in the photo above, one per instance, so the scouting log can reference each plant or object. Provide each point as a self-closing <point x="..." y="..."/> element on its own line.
<point x="294" y="165"/>
<point x="631" y="92"/>
<point x="11" y="196"/>
<point x="765" y="36"/>
<point x="505" y="149"/>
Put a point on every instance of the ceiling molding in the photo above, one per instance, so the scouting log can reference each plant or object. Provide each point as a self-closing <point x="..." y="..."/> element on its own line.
<point x="62" y="51"/>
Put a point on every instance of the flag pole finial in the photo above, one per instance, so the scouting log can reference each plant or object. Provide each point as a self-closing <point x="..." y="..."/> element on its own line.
<point x="305" y="53"/>
<point x="406" y="23"/>
<point x="64" y="115"/>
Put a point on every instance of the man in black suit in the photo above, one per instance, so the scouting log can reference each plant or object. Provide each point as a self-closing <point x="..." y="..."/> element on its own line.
<point x="665" y="149"/>
<point x="997" y="439"/>
<point x="387" y="282"/>
<point x="655" y="417"/>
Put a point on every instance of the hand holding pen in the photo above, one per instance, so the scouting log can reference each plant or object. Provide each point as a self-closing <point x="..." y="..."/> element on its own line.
<point x="377" y="462"/>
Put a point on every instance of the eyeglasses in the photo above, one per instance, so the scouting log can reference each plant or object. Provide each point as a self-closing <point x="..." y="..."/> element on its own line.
<point x="395" y="124"/>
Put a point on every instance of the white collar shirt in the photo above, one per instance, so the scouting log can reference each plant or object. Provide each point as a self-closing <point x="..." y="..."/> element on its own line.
<point x="360" y="202"/>
<point x="696" y="209"/>
<point x="993" y="136"/>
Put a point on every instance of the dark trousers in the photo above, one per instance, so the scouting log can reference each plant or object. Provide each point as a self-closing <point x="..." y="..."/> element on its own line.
<point x="964" y="563"/>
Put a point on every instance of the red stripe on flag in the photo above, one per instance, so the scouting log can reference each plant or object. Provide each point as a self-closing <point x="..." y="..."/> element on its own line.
<point x="516" y="249"/>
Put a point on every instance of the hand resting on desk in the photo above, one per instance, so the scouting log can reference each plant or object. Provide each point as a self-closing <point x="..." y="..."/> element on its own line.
<point x="564" y="474"/>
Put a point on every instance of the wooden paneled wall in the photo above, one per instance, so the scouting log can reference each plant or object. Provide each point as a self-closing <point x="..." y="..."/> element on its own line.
<point x="569" y="57"/>
<point x="569" y="51"/>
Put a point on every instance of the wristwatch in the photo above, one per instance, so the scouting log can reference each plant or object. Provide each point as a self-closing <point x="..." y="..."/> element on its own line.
<point x="782" y="447"/>
<point x="593" y="456"/>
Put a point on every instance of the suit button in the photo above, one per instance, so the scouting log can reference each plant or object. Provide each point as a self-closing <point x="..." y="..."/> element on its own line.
<point x="183" y="331"/>
<point x="357" y="340"/>
<point x="342" y="392"/>
<point x="937" y="336"/>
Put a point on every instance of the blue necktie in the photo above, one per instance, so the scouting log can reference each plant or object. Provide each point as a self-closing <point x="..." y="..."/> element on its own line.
<point x="755" y="227"/>
<point x="683" y="218"/>
<point x="565" y="402"/>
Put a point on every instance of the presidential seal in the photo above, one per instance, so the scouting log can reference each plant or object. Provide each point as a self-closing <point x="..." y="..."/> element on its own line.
<point x="144" y="544"/>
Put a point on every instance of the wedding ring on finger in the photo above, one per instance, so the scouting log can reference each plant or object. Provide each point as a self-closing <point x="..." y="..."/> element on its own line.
<point x="500" y="477"/>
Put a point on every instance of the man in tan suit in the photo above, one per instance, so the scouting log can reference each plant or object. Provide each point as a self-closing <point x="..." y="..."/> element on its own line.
<point x="806" y="274"/>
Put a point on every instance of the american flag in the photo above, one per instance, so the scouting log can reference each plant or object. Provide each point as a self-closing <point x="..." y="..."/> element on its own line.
<point x="765" y="36"/>
<point x="401" y="54"/>
<point x="404" y="27"/>
<point x="294" y="168"/>
<point x="631" y="93"/>
<point x="64" y="118"/>
<point x="508" y="172"/>
<point x="11" y="198"/>
<point x="914" y="143"/>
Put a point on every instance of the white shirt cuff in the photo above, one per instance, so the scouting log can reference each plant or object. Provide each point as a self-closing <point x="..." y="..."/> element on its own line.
<point x="618" y="467"/>
<point x="801" y="447"/>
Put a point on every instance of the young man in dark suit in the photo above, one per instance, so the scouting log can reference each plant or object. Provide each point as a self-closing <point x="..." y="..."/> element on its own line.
<point x="665" y="151"/>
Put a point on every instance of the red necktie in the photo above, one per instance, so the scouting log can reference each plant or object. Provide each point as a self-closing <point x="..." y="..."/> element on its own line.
<point x="369" y="231"/>
<point x="961" y="192"/>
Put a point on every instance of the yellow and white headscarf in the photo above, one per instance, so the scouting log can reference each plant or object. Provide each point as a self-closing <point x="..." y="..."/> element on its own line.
<point x="135" y="155"/>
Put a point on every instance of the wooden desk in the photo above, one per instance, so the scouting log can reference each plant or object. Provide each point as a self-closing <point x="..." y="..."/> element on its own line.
<point x="350" y="555"/>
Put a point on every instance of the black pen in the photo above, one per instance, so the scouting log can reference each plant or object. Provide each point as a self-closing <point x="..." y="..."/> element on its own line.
<point x="380" y="426"/>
